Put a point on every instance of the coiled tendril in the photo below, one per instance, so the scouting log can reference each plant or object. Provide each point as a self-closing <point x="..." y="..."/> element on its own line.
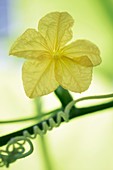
<point x="15" y="150"/>
<point x="18" y="150"/>
<point x="47" y="126"/>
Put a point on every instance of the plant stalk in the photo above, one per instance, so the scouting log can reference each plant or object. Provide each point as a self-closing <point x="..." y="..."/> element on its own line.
<point x="43" y="139"/>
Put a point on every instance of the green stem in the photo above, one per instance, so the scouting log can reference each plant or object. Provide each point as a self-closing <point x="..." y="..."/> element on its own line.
<point x="64" y="96"/>
<point x="75" y="112"/>
<point x="36" y="118"/>
<point x="21" y="120"/>
<point x="46" y="154"/>
<point x="43" y="140"/>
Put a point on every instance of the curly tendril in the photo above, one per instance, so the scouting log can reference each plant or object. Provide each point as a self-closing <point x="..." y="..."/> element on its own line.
<point x="15" y="147"/>
<point x="18" y="151"/>
<point x="15" y="150"/>
<point x="60" y="115"/>
<point x="72" y="103"/>
<point x="47" y="126"/>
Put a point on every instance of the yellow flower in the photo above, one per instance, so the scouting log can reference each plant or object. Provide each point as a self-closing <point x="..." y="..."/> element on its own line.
<point x="51" y="61"/>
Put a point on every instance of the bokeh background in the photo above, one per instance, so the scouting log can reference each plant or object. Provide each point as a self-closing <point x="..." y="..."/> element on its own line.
<point x="85" y="143"/>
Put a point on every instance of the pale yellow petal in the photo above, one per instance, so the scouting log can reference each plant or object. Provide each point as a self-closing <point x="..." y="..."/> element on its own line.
<point x="30" y="44"/>
<point x="56" y="29"/>
<point x="72" y="76"/>
<point x="83" y="52"/>
<point x="38" y="77"/>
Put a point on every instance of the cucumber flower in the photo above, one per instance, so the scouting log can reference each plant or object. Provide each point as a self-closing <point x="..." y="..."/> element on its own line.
<point x="51" y="61"/>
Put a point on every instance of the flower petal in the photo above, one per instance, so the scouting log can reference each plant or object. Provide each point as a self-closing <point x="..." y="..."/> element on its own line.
<point x="30" y="44"/>
<point x="83" y="52"/>
<point x="56" y="29"/>
<point x="72" y="76"/>
<point x="38" y="77"/>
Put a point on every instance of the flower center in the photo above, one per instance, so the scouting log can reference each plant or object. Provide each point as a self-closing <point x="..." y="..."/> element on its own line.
<point x="56" y="54"/>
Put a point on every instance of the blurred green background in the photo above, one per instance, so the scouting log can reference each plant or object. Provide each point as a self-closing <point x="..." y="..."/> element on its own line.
<point x="85" y="143"/>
